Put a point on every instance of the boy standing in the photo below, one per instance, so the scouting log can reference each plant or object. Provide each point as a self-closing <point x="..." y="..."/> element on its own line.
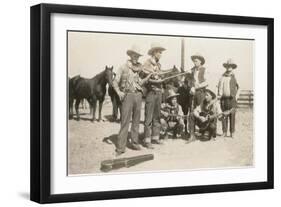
<point x="200" y="82"/>
<point x="228" y="92"/>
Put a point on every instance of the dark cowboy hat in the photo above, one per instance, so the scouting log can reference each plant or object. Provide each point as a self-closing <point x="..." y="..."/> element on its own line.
<point x="134" y="50"/>
<point x="172" y="94"/>
<point x="154" y="47"/>
<point x="198" y="56"/>
<point x="229" y="63"/>
<point x="211" y="93"/>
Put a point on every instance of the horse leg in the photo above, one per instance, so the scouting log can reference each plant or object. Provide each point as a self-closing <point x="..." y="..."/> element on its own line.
<point x="70" y="107"/>
<point x="100" y="108"/>
<point x="186" y="120"/>
<point x="94" y="105"/>
<point x="77" y="108"/>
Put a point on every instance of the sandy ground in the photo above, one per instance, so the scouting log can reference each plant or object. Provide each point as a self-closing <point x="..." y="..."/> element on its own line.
<point x="90" y="143"/>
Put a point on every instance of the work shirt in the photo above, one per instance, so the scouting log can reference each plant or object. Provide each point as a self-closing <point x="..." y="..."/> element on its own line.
<point x="172" y="110"/>
<point x="209" y="108"/>
<point x="127" y="78"/>
<point x="151" y="66"/>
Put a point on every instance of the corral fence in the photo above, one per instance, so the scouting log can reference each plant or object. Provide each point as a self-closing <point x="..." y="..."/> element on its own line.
<point x="246" y="99"/>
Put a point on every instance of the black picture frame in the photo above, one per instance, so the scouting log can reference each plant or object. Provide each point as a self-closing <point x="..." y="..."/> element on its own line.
<point x="41" y="95"/>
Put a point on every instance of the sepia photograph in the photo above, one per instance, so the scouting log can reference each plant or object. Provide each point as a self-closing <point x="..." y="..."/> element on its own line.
<point x="150" y="103"/>
<point x="130" y="103"/>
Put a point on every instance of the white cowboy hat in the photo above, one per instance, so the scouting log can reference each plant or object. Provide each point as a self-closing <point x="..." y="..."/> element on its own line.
<point x="198" y="56"/>
<point x="171" y="94"/>
<point x="134" y="50"/>
<point x="155" y="46"/>
<point x="229" y="63"/>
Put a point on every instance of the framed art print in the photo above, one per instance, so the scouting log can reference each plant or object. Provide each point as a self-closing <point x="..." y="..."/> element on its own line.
<point x="133" y="103"/>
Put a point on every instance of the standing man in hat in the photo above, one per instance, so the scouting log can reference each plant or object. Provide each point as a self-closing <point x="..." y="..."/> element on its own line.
<point x="172" y="116"/>
<point x="228" y="92"/>
<point x="199" y="80"/>
<point x="153" y="96"/>
<point x="128" y="86"/>
<point x="205" y="116"/>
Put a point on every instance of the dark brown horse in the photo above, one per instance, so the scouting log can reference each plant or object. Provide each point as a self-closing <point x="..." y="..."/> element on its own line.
<point x="92" y="90"/>
<point x="71" y="93"/>
<point x="185" y="99"/>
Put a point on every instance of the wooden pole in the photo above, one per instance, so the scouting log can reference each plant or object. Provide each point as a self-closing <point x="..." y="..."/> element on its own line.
<point x="182" y="55"/>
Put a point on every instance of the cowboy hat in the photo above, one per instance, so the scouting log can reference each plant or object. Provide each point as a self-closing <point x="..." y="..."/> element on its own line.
<point x="229" y="63"/>
<point x="154" y="47"/>
<point x="198" y="56"/>
<point x="171" y="94"/>
<point x="211" y="93"/>
<point x="134" y="50"/>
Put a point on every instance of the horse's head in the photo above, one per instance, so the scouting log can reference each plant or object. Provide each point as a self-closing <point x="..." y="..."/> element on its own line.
<point x="109" y="74"/>
<point x="175" y="70"/>
<point x="74" y="80"/>
<point x="188" y="80"/>
<point x="173" y="81"/>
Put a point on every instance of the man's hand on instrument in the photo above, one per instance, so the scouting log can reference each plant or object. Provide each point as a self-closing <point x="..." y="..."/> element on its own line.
<point x="192" y="91"/>
<point x="147" y="78"/>
<point x="178" y="117"/>
<point x="202" y="118"/>
<point x="165" y="114"/>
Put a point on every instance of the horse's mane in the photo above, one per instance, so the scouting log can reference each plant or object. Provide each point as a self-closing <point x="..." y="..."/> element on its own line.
<point x="99" y="75"/>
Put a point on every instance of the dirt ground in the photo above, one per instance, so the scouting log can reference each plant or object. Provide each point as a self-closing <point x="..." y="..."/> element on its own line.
<point x="90" y="143"/>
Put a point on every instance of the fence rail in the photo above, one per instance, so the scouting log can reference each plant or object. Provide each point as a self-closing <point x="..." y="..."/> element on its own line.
<point x="246" y="98"/>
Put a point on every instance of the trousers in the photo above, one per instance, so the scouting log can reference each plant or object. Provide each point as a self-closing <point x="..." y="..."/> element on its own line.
<point x="152" y="115"/>
<point x="211" y="129"/>
<point x="228" y="103"/>
<point x="176" y="127"/>
<point x="130" y="109"/>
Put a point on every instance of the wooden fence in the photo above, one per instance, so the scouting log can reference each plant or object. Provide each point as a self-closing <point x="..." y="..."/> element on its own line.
<point x="246" y="99"/>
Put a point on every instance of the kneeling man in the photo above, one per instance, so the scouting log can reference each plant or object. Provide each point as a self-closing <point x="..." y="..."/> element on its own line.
<point x="171" y="116"/>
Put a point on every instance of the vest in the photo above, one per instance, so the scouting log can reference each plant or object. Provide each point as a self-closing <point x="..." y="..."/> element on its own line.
<point x="201" y="73"/>
<point x="129" y="80"/>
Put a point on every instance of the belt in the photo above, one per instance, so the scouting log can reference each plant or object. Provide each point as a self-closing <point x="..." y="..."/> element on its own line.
<point x="155" y="89"/>
<point x="131" y="91"/>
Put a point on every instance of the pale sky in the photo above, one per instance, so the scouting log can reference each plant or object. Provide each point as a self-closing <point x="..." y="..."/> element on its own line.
<point x="89" y="53"/>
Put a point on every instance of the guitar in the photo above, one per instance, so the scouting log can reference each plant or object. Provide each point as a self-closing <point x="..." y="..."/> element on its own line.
<point x="211" y="116"/>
